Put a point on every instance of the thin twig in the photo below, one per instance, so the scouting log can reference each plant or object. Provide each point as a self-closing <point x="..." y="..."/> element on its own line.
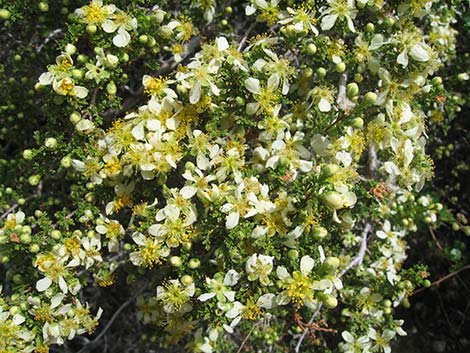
<point x="304" y="333"/>
<point x="357" y="261"/>
<point x="15" y="206"/>
<point x="245" y="37"/>
<point x="247" y="337"/>
<point x="442" y="279"/>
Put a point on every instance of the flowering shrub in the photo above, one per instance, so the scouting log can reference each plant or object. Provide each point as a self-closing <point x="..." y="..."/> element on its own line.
<point x="245" y="169"/>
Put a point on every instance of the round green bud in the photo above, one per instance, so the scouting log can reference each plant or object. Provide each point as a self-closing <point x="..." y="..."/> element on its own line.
<point x="21" y="201"/>
<point x="56" y="234"/>
<point x="15" y="309"/>
<point x="321" y="72"/>
<point x="319" y="233"/>
<point x="152" y="42"/>
<point x="332" y="261"/>
<point x="224" y="23"/>
<point x="165" y="32"/>
<point x="176" y="261"/>
<point x="187" y="245"/>
<point x="25" y="238"/>
<point x="33" y="180"/>
<point x="75" y="117"/>
<point x="38" y="213"/>
<point x="26" y="229"/>
<point x="307" y="72"/>
<point x="111" y="88"/>
<point x="330" y="169"/>
<point x="43" y="6"/>
<point x="463" y="76"/>
<point x="352" y="89"/>
<point x="66" y="162"/>
<point x="455" y="227"/>
<point x="187" y="280"/>
<point x="329" y="301"/>
<point x="91" y="29"/>
<point x="194" y="263"/>
<point x="82" y="59"/>
<point x="436" y="81"/>
<point x="4" y="14"/>
<point x="389" y="22"/>
<point x="406" y="303"/>
<point x="340" y="67"/>
<point x="293" y="254"/>
<point x="427" y="283"/>
<point x="239" y="101"/>
<point x="77" y="74"/>
<point x="17" y="57"/>
<point x="127" y="247"/>
<point x="370" y="98"/>
<point x="387" y="303"/>
<point x="370" y="27"/>
<point x="28" y="154"/>
<point x="50" y="142"/>
<point x="70" y="49"/>
<point x="34" y="248"/>
<point x="357" y="123"/>
<point x="143" y="38"/>
<point x="159" y="16"/>
<point x="311" y="48"/>
<point x="228" y="9"/>
<point x="333" y="200"/>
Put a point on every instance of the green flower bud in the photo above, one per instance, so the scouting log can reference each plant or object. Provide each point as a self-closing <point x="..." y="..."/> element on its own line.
<point x="330" y="169"/>
<point x="176" y="261"/>
<point x="66" y="162"/>
<point x="319" y="233"/>
<point x="111" y="88"/>
<point x="143" y="38"/>
<point x="70" y="49"/>
<point x="329" y="301"/>
<point x="357" y="123"/>
<point x="33" y="180"/>
<point x="34" y="248"/>
<point x="28" y="154"/>
<point x="56" y="234"/>
<point x="293" y="254"/>
<point x="77" y="74"/>
<point x="332" y="262"/>
<point x="311" y="48"/>
<point x="91" y="29"/>
<point x="321" y="72"/>
<point x="194" y="263"/>
<point x="43" y="6"/>
<point x="165" y="32"/>
<point x="25" y="238"/>
<point x="352" y="90"/>
<point x="333" y="200"/>
<point x="436" y="81"/>
<point x="370" y="27"/>
<point x="5" y="14"/>
<point x="82" y="59"/>
<point x="50" y="142"/>
<point x="187" y="280"/>
<point x="340" y="67"/>
<point x="159" y="16"/>
<point x="370" y="98"/>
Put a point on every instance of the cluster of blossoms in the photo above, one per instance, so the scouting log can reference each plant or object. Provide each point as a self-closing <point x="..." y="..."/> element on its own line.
<point x="260" y="178"/>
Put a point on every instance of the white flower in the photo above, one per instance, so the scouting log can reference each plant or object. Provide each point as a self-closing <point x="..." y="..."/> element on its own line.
<point x="258" y="267"/>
